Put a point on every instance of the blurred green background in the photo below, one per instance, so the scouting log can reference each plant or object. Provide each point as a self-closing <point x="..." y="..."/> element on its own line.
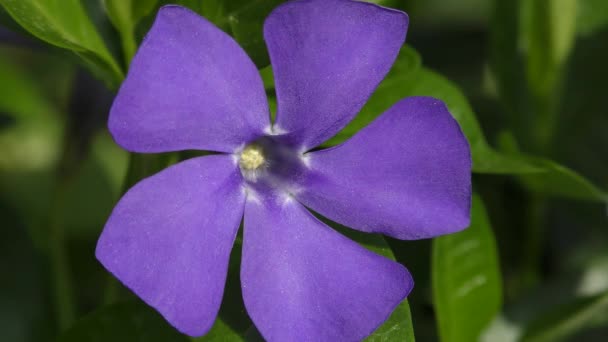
<point x="526" y="79"/>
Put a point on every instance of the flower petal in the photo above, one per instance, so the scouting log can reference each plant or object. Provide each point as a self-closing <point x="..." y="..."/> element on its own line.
<point x="303" y="281"/>
<point x="190" y="86"/>
<point x="169" y="239"/>
<point x="328" y="56"/>
<point x="407" y="174"/>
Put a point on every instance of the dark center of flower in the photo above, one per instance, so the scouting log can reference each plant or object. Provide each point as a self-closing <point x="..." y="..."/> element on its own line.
<point x="267" y="161"/>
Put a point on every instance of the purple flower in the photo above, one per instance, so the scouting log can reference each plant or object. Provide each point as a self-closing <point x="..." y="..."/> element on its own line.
<point x="190" y="86"/>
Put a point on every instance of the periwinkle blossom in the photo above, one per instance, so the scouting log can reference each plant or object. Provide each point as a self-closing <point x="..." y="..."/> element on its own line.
<point x="190" y="86"/>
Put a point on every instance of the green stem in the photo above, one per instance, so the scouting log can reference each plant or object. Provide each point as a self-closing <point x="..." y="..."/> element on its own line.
<point x="60" y="269"/>
<point x="112" y="290"/>
<point x="534" y="242"/>
<point x="129" y="45"/>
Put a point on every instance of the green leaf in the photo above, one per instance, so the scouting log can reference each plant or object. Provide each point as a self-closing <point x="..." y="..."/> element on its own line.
<point x="64" y="23"/>
<point x="398" y="327"/>
<point x="125" y="14"/>
<point x="221" y="332"/>
<point x="408" y="78"/>
<point x="592" y="16"/>
<point x="560" y="181"/>
<point x="554" y="179"/>
<point x="560" y="323"/>
<point x="129" y="322"/>
<point x="246" y="25"/>
<point x="466" y="279"/>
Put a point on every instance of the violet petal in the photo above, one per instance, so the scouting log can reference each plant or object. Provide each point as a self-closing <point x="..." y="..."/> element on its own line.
<point x="406" y="175"/>
<point x="328" y="56"/>
<point x="303" y="281"/>
<point x="190" y="86"/>
<point x="169" y="239"/>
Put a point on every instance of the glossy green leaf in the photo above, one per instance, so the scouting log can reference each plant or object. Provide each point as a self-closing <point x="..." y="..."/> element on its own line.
<point x="408" y="78"/>
<point x="65" y="23"/>
<point x="398" y="327"/>
<point x="466" y="280"/>
<point x="129" y="322"/>
<point x="560" y="323"/>
<point x="125" y="14"/>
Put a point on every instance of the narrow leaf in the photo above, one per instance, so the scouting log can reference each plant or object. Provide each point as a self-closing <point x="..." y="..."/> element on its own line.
<point x="466" y="281"/>
<point x="554" y="179"/>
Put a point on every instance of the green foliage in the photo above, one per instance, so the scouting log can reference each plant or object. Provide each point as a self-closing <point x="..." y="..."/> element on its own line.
<point x="125" y="15"/>
<point x="20" y="94"/>
<point x="548" y="33"/>
<point x="554" y="179"/>
<point x="128" y="322"/>
<point x="563" y="322"/>
<point x="592" y="16"/>
<point x="221" y="332"/>
<point x="467" y="289"/>
<point x="64" y="23"/>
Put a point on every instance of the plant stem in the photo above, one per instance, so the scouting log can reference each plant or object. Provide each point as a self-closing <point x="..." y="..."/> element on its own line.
<point x="60" y="269"/>
<point x="533" y="245"/>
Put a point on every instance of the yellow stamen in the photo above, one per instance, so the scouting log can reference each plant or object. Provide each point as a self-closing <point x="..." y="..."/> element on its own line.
<point x="251" y="158"/>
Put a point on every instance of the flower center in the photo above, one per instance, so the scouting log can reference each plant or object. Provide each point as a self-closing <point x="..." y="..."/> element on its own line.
<point x="268" y="162"/>
<point x="252" y="158"/>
